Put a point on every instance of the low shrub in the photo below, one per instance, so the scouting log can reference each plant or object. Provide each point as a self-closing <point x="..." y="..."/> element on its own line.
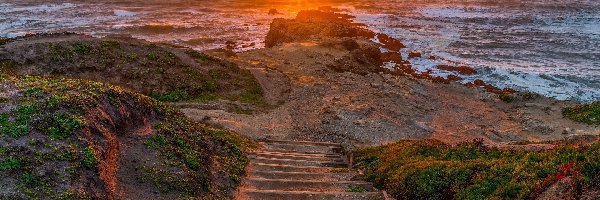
<point x="429" y="169"/>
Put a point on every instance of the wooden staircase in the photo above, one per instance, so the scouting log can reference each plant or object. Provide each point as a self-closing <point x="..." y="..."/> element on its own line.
<point x="303" y="170"/>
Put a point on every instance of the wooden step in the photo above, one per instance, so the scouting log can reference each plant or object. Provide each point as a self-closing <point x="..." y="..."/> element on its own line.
<point x="302" y="176"/>
<point x="289" y="168"/>
<point x="295" y="162"/>
<point x="283" y="155"/>
<point x="296" y="148"/>
<point x="303" y="143"/>
<point x="303" y="170"/>
<point x="309" y="195"/>
<point x="306" y="185"/>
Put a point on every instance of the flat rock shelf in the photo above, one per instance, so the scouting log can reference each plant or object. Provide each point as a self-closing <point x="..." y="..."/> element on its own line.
<point x="303" y="170"/>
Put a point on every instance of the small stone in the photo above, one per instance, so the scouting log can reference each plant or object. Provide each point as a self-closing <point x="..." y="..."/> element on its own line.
<point x="424" y="126"/>
<point x="376" y="85"/>
<point x="414" y="54"/>
<point x="273" y="12"/>
<point x="568" y="131"/>
<point x="359" y="122"/>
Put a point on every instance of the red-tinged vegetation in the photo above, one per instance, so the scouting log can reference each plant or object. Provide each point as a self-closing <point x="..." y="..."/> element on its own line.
<point x="429" y="169"/>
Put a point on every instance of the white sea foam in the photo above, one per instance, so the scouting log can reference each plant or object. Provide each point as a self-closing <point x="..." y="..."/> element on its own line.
<point x="547" y="85"/>
<point x="455" y="12"/>
<point x="124" y="13"/>
<point x="9" y="8"/>
<point x="505" y="46"/>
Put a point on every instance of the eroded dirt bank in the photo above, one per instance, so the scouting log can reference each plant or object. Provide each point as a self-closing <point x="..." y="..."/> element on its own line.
<point x="328" y="86"/>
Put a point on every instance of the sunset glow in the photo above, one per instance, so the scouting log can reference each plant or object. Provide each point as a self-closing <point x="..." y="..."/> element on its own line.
<point x="299" y="99"/>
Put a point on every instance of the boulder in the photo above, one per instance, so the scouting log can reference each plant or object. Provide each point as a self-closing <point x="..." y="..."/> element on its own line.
<point x="414" y="54"/>
<point x="274" y="12"/>
<point x="464" y="70"/>
<point x="390" y="43"/>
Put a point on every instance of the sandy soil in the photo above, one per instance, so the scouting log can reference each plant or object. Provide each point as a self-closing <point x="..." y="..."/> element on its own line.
<point x="313" y="102"/>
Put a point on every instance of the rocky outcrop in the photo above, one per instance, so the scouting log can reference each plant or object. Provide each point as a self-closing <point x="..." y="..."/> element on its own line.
<point x="313" y="25"/>
<point x="363" y="59"/>
<point x="490" y="88"/>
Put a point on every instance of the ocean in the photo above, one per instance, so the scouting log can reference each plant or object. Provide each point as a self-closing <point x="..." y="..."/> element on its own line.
<point x="550" y="47"/>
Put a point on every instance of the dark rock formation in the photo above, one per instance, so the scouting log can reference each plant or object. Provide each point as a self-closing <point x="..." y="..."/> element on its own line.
<point x="274" y="12"/>
<point x="391" y="57"/>
<point x="390" y="43"/>
<point x="313" y="25"/>
<point x="414" y="54"/>
<point x="460" y="69"/>
<point x="230" y="44"/>
<point x="490" y="88"/>
<point x="363" y="59"/>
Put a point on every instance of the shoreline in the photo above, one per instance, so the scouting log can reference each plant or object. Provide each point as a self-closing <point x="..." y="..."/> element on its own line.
<point x="438" y="71"/>
<point x="479" y="105"/>
<point x="518" y="120"/>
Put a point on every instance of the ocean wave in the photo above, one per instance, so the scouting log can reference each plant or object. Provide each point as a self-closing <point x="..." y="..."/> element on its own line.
<point x="124" y="13"/>
<point x="10" y="8"/>
<point x="560" y="87"/>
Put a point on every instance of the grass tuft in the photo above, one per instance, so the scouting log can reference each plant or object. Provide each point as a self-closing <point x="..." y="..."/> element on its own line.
<point x="506" y="98"/>
<point x="10" y="163"/>
<point x="356" y="189"/>
<point x="173" y="96"/>
<point x="89" y="158"/>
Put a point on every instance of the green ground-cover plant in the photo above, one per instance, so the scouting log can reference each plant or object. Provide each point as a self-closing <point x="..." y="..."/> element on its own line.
<point x="89" y="158"/>
<point x="585" y="113"/>
<point x="429" y="169"/>
<point x="173" y="96"/>
<point x="164" y="73"/>
<point x="10" y="163"/>
<point x="56" y="122"/>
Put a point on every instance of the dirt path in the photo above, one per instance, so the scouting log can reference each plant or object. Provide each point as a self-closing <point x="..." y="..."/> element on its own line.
<point x="313" y="102"/>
